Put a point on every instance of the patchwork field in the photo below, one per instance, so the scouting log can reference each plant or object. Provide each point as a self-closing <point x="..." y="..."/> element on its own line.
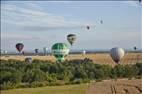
<point x="116" y="87"/>
<point x="99" y="58"/>
<point x="122" y="86"/>
<point x="105" y="87"/>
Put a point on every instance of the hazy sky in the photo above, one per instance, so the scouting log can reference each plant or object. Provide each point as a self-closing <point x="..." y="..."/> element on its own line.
<point x="42" y="23"/>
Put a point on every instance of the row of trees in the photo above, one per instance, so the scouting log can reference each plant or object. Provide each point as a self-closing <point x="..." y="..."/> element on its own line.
<point x="15" y="74"/>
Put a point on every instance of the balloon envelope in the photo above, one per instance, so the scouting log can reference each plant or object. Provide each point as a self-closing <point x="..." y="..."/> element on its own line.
<point x="117" y="54"/>
<point x="45" y="49"/>
<point x="135" y="48"/>
<point x="60" y="50"/>
<point x="19" y="46"/>
<point x="101" y="21"/>
<point x="84" y="52"/>
<point x="28" y="59"/>
<point x="71" y="38"/>
<point x="88" y="27"/>
<point x="36" y="51"/>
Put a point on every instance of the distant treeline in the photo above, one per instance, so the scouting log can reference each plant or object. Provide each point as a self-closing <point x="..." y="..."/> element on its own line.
<point x="20" y="74"/>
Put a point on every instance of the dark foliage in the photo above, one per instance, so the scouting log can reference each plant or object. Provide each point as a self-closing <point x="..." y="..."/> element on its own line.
<point x="15" y="74"/>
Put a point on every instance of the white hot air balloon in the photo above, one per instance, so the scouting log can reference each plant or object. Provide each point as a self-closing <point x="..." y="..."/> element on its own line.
<point x="83" y="52"/>
<point x="45" y="49"/>
<point x="117" y="54"/>
<point x="28" y="59"/>
<point x="5" y="52"/>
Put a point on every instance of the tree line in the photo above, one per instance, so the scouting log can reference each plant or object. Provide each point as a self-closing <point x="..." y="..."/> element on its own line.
<point x="21" y="74"/>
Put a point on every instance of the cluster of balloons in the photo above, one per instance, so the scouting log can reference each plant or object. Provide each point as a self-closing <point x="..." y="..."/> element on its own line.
<point x="61" y="50"/>
<point x="3" y="51"/>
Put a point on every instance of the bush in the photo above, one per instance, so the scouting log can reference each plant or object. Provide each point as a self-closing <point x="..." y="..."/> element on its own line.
<point x="15" y="74"/>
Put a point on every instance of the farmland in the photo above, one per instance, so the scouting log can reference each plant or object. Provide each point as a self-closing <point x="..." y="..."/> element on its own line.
<point x="99" y="58"/>
<point x="123" y="86"/>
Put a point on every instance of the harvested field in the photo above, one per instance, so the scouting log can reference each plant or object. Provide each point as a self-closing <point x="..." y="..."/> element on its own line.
<point x="116" y="87"/>
<point x="99" y="58"/>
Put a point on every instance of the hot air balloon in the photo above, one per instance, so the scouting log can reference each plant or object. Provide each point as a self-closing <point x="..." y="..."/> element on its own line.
<point x="117" y="54"/>
<point x="36" y="51"/>
<point x="71" y="38"/>
<point x="83" y="52"/>
<point x="87" y="27"/>
<point x="101" y="21"/>
<point x="4" y="51"/>
<point x="135" y="48"/>
<point x="60" y="51"/>
<point x="28" y="59"/>
<point x="45" y="49"/>
<point x="19" y="47"/>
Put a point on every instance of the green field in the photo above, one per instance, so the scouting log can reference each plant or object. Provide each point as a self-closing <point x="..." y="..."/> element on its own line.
<point x="67" y="89"/>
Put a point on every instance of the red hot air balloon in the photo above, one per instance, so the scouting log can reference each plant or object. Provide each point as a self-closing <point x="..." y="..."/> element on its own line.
<point x="19" y="47"/>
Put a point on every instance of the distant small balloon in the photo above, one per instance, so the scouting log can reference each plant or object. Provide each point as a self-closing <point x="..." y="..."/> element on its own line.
<point x="84" y="52"/>
<point x="19" y="46"/>
<point x="135" y="48"/>
<point x="88" y="27"/>
<point x="101" y="21"/>
<point x="45" y="49"/>
<point x="28" y="59"/>
<point x="5" y="52"/>
<point x="36" y="51"/>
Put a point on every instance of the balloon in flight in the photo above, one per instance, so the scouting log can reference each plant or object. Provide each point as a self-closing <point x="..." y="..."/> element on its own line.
<point x="101" y="21"/>
<point x="71" y="38"/>
<point x="117" y="54"/>
<point x="88" y="27"/>
<point x="28" y="59"/>
<point x="19" y="46"/>
<point x="60" y="51"/>
<point x="45" y="49"/>
<point x="135" y="48"/>
<point x="36" y="51"/>
<point x="83" y="52"/>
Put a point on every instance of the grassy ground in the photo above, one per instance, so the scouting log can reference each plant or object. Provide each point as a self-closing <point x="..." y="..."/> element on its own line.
<point x="67" y="89"/>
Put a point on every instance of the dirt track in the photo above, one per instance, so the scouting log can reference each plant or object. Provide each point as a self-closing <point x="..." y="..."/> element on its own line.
<point x="116" y="87"/>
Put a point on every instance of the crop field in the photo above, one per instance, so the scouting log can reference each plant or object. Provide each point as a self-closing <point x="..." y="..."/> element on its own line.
<point x="122" y="86"/>
<point x="99" y="58"/>
<point x="116" y="87"/>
